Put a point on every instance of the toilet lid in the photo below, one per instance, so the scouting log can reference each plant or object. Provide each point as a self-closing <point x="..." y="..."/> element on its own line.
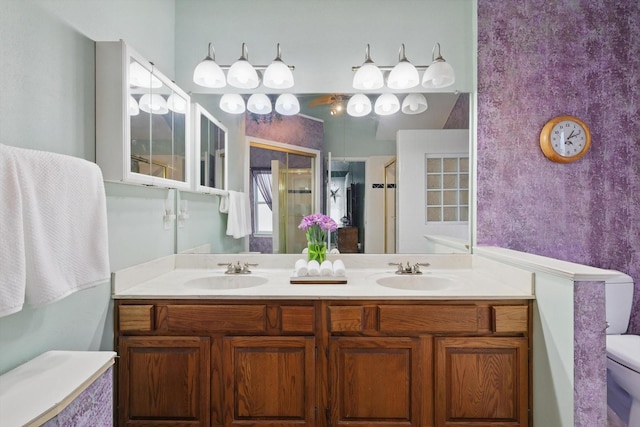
<point x="624" y="349"/>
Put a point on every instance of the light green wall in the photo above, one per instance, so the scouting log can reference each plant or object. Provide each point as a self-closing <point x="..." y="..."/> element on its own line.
<point x="48" y="103"/>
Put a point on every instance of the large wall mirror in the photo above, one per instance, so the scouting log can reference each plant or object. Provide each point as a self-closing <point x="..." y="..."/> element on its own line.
<point x="324" y="160"/>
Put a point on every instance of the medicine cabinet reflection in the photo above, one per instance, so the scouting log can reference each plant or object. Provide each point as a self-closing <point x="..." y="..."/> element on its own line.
<point x="210" y="141"/>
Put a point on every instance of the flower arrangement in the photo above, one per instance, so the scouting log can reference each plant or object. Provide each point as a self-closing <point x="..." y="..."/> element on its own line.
<point x="316" y="227"/>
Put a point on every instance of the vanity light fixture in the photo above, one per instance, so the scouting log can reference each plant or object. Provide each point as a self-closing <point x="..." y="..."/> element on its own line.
<point x="404" y="75"/>
<point x="259" y="103"/>
<point x="209" y="74"/>
<point x="153" y="103"/>
<point x="241" y="74"/>
<point x="134" y="110"/>
<point x="141" y="77"/>
<point x="287" y="104"/>
<point x="232" y="103"/>
<point x="368" y="76"/>
<point x="278" y="75"/>
<point x="414" y="103"/>
<point x="386" y="104"/>
<point x="440" y="73"/>
<point x="176" y="103"/>
<point x="359" y="105"/>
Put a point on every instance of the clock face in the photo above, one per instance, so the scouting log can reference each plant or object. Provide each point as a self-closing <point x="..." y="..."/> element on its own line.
<point x="568" y="138"/>
<point x="565" y="139"/>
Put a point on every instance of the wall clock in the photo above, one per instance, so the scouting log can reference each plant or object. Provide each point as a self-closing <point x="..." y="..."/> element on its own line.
<point x="565" y="139"/>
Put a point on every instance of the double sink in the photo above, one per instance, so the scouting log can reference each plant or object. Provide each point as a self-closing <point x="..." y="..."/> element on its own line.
<point x="411" y="282"/>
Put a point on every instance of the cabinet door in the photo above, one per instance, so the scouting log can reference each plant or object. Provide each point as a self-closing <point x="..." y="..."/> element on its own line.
<point x="375" y="381"/>
<point x="164" y="380"/>
<point x="481" y="381"/>
<point x="269" y="381"/>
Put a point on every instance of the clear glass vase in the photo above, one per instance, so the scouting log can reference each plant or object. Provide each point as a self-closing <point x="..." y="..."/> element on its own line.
<point x="317" y="251"/>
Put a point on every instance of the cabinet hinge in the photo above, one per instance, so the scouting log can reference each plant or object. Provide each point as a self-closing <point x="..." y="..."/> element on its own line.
<point x="316" y="355"/>
<point x="326" y="352"/>
<point x="327" y="414"/>
<point x="315" y="413"/>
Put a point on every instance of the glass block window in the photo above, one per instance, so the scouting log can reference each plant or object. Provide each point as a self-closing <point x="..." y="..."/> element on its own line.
<point x="447" y="187"/>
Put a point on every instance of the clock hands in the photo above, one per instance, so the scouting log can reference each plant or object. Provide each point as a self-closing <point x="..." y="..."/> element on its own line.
<point x="571" y="135"/>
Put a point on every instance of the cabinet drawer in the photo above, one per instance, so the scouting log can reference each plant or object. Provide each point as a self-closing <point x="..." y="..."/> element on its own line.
<point x="510" y="318"/>
<point x="216" y="318"/>
<point x="297" y="319"/>
<point x="428" y="318"/>
<point x="135" y="317"/>
<point x="346" y="318"/>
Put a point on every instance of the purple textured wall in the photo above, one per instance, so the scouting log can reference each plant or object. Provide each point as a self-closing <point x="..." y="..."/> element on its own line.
<point x="538" y="59"/>
<point x="294" y="130"/>
<point x="459" y="116"/>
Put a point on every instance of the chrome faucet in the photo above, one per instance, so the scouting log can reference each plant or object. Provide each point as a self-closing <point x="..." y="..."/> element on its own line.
<point x="409" y="269"/>
<point x="238" y="268"/>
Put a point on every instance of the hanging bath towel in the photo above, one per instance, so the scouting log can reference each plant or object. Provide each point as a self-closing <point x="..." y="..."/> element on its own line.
<point x="62" y="206"/>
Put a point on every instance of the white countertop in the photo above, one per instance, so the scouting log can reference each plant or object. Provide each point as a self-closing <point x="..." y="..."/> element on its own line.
<point x="41" y="388"/>
<point x="169" y="277"/>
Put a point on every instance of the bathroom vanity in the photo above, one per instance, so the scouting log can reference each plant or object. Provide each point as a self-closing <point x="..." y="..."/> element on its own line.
<point x="274" y="354"/>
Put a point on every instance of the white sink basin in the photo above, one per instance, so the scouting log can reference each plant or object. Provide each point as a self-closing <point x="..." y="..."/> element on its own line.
<point x="226" y="282"/>
<point x="420" y="282"/>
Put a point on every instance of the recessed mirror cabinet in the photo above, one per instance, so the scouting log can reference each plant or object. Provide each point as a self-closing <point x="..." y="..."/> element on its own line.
<point x="210" y="145"/>
<point x="142" y="121"/>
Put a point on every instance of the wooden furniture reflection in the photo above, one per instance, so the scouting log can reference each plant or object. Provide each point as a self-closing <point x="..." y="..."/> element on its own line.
<point x="348" y="240"/>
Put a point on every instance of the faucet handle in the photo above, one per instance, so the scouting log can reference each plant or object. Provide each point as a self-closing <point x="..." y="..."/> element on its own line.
<point x="229" y="266"/>
<point x="399" y="265"/>
<point x="417" y="265"/>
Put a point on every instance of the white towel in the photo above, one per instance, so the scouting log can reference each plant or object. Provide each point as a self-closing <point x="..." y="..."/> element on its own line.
<point x="313" y="268"/>
<point x="224" y="204"/>
<point x="338" y="268"/>
<point x="326" y="268"/>
<point x="239" y="216"/>
<point x="334" y="251"/>
<point x="301" y="268"/>
<point x="64" y="215"/>
<point x="12" y="255"/>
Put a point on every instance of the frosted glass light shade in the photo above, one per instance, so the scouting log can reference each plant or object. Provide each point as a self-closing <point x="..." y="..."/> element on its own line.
<point x="287" y="104"/>
<point x="259" y="103"/>
<point x="242" y="75"/>
<point x="153" y="103"/>
<point x="232" y="103"/>
<point x="278" y="75"/>
<point x="141" y="77"/>
<point x="439" y="74"/>
<point x="414" y="103"/>
<point x="387" y="104"/>
<point x="177" y="104"/>
<point x="359" y="105"/>
<point x="134" y="110"/>
<point x="368" y="77"/>
<point x="403" y="76"/>
<point x="209" y="74"/>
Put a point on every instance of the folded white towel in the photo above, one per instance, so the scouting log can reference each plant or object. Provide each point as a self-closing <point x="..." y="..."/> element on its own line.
<point x="301" y="268"/>
<point x="239" y="216"/>
<point x="224" y="204"/>
<point x="12" y="253"/>
<point x="326" y="268"/>
<point x="305" y="251"/>
<point x="338" y="268"/>
<point x="313" y="268"/>
<point x="334" y="251"/>
<point x="65" y="224"/>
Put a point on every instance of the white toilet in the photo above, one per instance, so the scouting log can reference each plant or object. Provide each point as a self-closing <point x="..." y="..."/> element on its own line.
<point x="623" y="352"/>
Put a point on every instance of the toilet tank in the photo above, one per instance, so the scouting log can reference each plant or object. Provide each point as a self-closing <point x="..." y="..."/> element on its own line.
<point x="619" y="298"/>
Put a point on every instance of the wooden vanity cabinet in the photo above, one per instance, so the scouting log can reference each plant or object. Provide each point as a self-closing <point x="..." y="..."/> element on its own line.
<point x="323" y="363"/>
<point x="212" y="363"/>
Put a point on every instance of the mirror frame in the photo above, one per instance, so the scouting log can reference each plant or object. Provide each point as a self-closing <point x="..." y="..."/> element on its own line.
<point x="198" y="111"/>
